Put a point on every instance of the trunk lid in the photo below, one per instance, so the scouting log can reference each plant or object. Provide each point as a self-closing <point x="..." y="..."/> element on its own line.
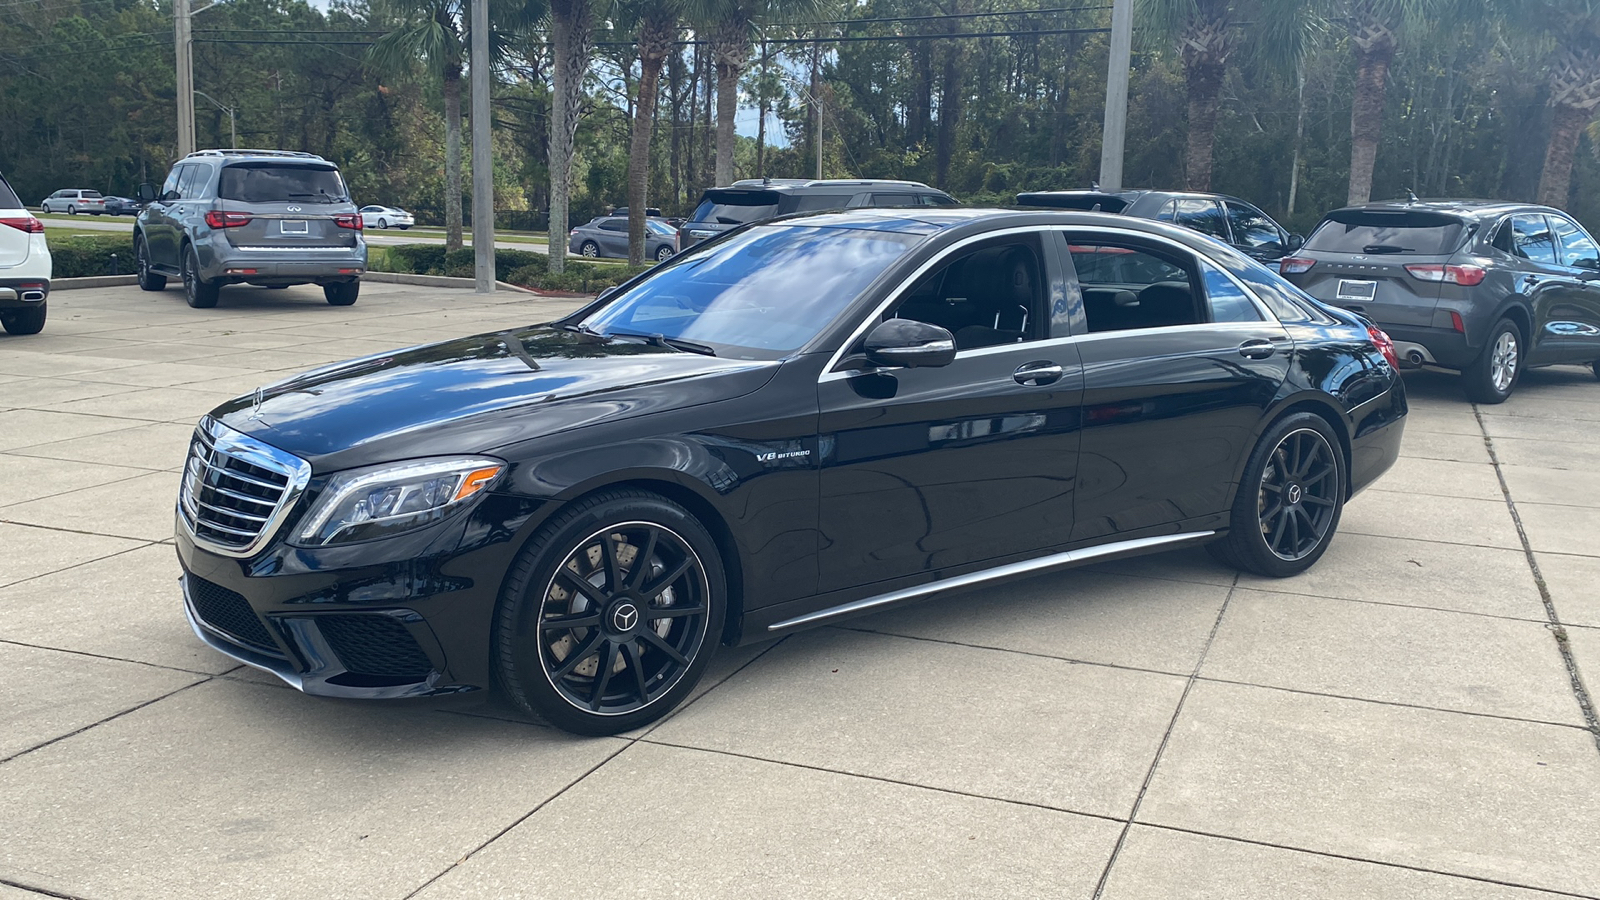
<point x="285" y="205"/>
<point x="1360" y="258"/>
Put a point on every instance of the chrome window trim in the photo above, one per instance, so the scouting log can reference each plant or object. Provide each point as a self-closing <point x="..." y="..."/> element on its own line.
<point x="1025" y="567"/>
<point x="243" y="447"/>
<point x="828" y="373"/>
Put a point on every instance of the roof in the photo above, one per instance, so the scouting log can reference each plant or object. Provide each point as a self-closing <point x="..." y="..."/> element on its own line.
<point x="1470" y="208"/>
<point x="933" y="220"/>
<point x="256" y="154"/>
<point x="793" y="183"/>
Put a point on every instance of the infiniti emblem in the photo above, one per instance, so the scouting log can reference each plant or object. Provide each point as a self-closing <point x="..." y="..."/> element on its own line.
<point x="292" y="208"/>
<point x="1294" y="493"/>
<point x="624" y="616"/>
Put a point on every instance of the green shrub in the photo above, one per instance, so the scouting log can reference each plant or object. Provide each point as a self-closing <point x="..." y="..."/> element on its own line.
<point x="82" y="255"/>
<point x="520" y="267"/>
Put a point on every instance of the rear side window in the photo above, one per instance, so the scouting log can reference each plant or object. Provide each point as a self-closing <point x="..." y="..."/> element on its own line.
<point x="1377" y="232"/>
<point x="8" y="197"/>
<point x="1229" y="302"/>
<point x="1285" y="300"/>
<point x="799" y="203"/>
<point x="186" y="182"/>
<point x="1127" y="288"/>
<point x="935" y="200"/>
<point x="276" y="182"/>
<point x="893" y="200"/>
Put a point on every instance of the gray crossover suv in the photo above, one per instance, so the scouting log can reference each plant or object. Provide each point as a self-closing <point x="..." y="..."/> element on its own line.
<point x="1485" y="287"/>
<point x="755" y="199"/>
<point x="266" y="217"/>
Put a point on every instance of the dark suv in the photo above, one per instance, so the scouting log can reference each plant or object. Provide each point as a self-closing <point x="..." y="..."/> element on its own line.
<point x="1228" y="219"/>
<point x="754" y="199"/>
<point x="267" y="217"/>
<point x="1481" y="286"/>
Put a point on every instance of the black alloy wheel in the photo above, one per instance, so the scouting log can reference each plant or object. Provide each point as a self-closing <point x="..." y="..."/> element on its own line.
<point x="611" y="614"/>
<point x="198" y="292"/>
<point x="1289" y="501"/>
<point x="149" y="280"/>
<point x="589" y="249"/>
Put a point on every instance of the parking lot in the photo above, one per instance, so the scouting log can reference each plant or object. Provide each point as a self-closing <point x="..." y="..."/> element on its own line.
<point x="1402" y="721"/>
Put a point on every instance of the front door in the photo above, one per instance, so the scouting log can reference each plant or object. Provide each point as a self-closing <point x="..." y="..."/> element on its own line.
<point x="1179" y="364"/>
<point x="160" y="230"/>
<point x="932" y="468"/>
<point x="1567" y="327"/>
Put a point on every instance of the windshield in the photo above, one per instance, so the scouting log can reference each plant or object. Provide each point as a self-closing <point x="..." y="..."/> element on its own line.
<point x="275" y="182"/>
<point x="759" y="295"/>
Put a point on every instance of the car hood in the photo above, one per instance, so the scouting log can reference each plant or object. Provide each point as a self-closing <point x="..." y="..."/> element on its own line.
<point x="477" y="394"/>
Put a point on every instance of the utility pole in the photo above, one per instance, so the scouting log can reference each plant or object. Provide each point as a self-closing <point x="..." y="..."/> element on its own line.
<point x="482" y="155"/>
<point x="183" y="46"/>
<point x="816" y="98"/>
<point x="1116" y="126"/>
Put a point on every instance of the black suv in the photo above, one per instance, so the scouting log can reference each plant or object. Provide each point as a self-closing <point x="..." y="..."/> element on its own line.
<point x="1481" y="286"/>
<point x="754" y="199"/>
<point x="1228" y="219"/>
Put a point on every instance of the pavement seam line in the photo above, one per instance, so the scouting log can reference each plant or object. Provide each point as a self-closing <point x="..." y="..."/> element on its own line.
<point x="1166" y="737"/>
<point x="1557" y="629"/>
<point x="77" y="565"/>
<point x="140" y="473"/>
<point x="135" y="662"/>
<point x="117" y="715"/>
<point x="1362" y="859"/>
<point x="43" y="892"/>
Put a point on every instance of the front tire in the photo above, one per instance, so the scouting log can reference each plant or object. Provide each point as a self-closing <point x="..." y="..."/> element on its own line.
<point x="1493" y="375"/>
<point x="610" y="614"/>
<point x="342" y="293"/>
<point x="589" y="249"/>
<point x="1289" y="501"/>
<point x="149" y="279"/>
<point x="200" y="293"/>
<point x="24" y="321"/>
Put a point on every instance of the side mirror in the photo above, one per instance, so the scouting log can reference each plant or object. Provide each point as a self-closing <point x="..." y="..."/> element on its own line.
<point x="608" y="293"/>
<point x="909" y="344"/>
<point x="1587" y="263"/>
<point x="146" y="192"/>
<point x="1296" y="241"/>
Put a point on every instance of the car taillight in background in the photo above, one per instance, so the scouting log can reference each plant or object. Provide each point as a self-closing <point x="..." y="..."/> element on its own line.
<point x="216" y="218"/>
<point x="1385" y="345"/>
<point x="1294" y="265"/>
<point x="1464" y="275"/>
<point x="25" y="223"/>
<point x="348" y="220"/>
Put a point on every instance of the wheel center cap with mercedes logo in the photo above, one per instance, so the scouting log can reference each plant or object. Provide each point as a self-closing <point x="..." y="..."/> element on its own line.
<point x="624" y="616"/>
<point x="1294" y="493"/>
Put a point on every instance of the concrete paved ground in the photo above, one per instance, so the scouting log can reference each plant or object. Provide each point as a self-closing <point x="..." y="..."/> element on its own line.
<point x="1402" y="721"/>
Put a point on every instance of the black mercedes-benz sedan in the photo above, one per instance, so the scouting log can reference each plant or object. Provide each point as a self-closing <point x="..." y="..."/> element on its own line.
<point x="800" y="421"/>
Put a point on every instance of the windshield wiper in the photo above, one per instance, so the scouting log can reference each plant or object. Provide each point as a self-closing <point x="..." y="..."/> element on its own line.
<point x="580" y="328"/>
<point x="661" y="340"/>
<point x="1386" y="248"/>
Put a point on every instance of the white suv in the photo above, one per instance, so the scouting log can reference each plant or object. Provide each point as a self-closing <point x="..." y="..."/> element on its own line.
<point x="74" y="201"/>
<point x="24" y="266"/>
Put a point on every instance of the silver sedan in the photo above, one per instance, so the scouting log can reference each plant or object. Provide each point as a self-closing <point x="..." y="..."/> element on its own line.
<point x="608" y="236"/>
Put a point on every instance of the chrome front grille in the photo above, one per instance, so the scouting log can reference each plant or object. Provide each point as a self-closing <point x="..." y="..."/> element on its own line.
<point x="236" y="489"/>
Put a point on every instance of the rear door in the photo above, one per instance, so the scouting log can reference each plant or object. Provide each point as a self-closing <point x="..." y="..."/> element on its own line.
<point x="1360" y="258"/>
<point x="1568" y="325"/>
<point x="612" y="234"/>
<point x="1179" y="365"/>
<point x="289" y="205"/>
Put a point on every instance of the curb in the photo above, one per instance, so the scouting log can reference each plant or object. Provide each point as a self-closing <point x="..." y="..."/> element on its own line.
<point x="92" y="281"/>
<point x="443" y="281"/>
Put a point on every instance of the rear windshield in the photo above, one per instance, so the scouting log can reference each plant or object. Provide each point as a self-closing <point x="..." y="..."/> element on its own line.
<point x="90" y="195"/>
<point x="1370" y="232"/>
<point x="1084" y="200"/>
<point x="736" y="207"/>
<point x="8" y="197"/>
<point x="273" y="182"/>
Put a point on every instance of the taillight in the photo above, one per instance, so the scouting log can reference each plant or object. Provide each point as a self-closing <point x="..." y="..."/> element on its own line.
<point x="1384" y="344"/>
<point x="216" y="218"/>
<point x="1463" y="275"/>
<point x="1294" y="265"/>
<point x="349" y="220"/>
<point x="25" y="223"/>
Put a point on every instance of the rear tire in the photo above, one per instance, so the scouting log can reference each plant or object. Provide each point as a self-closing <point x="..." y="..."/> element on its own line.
<point x="663" y="254"/>
<point x="1289" y="501"/>
<point x="149" y="279"/>
<point x="610" y="613"/>
<point x="24" y="321"/>
<point x="72" y="210"/>
<point x="342" y="293"/>
<point x="589" y="249"/>
<point x="198" y="292"/>
<point x="383" y="223"/>
<point x="1493" y="375"/>
<point x="1595" y="368"/>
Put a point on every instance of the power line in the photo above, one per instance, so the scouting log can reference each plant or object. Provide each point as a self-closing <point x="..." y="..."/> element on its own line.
<point x="940" y="17"/>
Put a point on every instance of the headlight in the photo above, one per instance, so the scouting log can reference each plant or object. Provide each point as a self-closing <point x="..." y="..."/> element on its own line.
<point x="362" y="504"/>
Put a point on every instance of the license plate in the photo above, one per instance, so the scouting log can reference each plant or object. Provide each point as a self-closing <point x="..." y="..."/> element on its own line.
<point x="292" y="226"/>
<point x="1356" y="290"/>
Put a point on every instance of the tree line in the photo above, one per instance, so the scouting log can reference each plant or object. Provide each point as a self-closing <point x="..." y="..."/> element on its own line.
<point x="1298" y="105"/>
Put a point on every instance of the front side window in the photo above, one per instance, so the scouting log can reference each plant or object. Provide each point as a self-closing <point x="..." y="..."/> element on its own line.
<point x="1531" y="239"/>
<point x="761" y="294"/>
<point x="280" y="183"/>
<point x="171" y="184"/>
<point x="1576" y="247"/>
<point x="938" y="200"/>
<point x="1204" y="216"/>
<point x="1252" y="230"/>
<point x="1127" y="286"/>
<point x="986" y="295"/>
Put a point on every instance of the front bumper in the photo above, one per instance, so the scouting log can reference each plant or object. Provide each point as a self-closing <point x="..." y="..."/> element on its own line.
<point x="402" y="617"/>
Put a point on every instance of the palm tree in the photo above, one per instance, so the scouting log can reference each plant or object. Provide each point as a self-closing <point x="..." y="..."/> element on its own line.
<point x="657" y="23"/>
<point x="435" y="33"/>
<point x="1373" y="36"/>
<point x="1574" y="88"/>
<point x="1206" y="38"/>
<point x="571" y="41"/>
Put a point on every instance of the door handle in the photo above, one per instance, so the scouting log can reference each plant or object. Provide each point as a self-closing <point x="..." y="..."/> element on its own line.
<point x="1256" y="349"/>
<point x="1038" y="373"/>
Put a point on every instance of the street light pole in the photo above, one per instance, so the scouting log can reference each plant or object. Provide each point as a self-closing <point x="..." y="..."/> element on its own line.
<point x="183" y="46"/>
<point x="233" y="131"/>
<point x="1116" y="124"/>
<point x="482" y="154"/>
